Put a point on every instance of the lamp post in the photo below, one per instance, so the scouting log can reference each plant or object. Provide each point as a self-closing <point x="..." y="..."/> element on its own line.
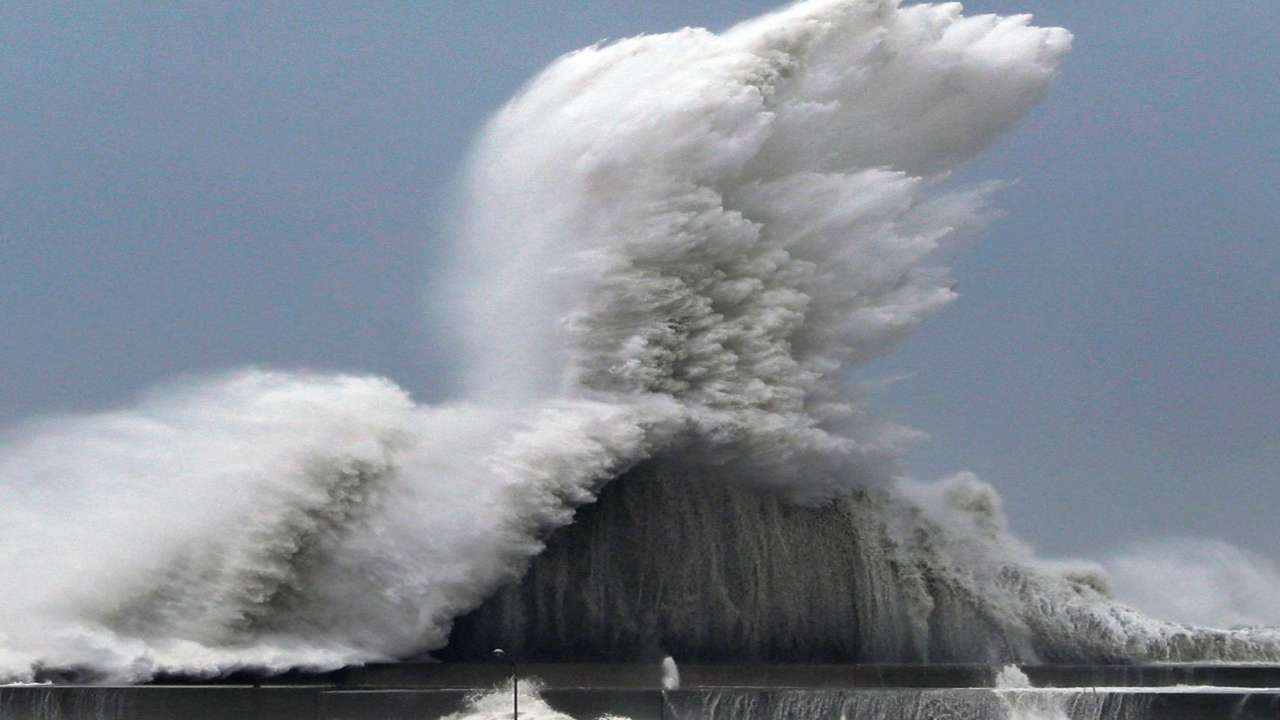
<point x="500" y="654"/>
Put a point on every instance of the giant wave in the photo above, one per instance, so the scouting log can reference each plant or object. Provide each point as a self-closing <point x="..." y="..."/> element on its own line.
<point x="674" y="248"/>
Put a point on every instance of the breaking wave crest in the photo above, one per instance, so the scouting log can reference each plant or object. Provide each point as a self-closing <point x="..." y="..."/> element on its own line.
<point x="675" y="247"/>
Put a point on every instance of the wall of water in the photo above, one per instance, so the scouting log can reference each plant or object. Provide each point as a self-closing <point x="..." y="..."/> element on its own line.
<point x="674" y="559"/>
<point x="670" y="562"/>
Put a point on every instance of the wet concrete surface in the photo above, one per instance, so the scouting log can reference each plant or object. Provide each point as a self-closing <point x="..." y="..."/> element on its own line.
<point x="428" y="691"/>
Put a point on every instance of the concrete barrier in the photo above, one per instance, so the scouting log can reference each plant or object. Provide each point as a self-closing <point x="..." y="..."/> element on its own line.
<point x="429" y="691"/>
<point x="151" y="702"/>
<point x="693" y="675"/>
<point x="320" y="703"/>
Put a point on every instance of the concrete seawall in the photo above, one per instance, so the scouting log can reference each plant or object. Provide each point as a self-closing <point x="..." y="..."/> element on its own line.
<point x="732" y="692"/>
<point x="801" y="675"/>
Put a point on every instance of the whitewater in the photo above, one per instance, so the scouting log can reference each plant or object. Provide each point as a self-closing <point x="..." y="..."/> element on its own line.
<point x="672" y="251"/>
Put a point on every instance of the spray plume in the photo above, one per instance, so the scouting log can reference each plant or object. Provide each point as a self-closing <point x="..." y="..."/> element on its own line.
<point x="674" y="246"/>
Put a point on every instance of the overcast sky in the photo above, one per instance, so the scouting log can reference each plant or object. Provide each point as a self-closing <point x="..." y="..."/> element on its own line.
<point x="188" y="188"/>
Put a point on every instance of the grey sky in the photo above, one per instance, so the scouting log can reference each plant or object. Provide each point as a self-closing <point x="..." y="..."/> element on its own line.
<point x="190" y="188"/>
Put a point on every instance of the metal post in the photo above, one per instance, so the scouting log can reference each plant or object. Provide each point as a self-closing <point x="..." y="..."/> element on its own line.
<point x="499" y="653"/>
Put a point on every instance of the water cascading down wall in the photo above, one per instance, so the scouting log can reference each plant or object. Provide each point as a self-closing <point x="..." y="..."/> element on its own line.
<point x="666" y="563"/>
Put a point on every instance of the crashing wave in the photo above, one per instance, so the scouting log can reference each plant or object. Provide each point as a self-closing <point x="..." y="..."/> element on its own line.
<point x="669" y="560"/>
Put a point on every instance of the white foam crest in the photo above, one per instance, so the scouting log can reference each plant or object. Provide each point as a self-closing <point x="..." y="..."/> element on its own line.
<point x="282" y="520"/>
<point x="735" y="220"/>
<point x="1056" y="609"/>
<point x="1011" y="677"/>
<point x="497" y="704"/>
<point x="1203" y="581"/>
